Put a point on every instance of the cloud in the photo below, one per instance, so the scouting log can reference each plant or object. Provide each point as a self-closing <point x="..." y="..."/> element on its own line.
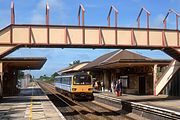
<point x="158" y="21"/>
<point x="38" y="14"/>
<point x="37" y="18"/>
<point x="173" y="1"/>
<point x="92" y="6"/>
<point x="136" y="1"/>
<point x="4" y="18"/>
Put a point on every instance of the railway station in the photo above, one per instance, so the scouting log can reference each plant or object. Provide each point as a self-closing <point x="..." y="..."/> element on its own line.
<point x="121" y="84"/>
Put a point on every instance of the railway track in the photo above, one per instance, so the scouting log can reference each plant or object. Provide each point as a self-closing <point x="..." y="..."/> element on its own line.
<point x="85" y="110"/>
<point x="110" y="112"/>
<point x="64" y="107"/>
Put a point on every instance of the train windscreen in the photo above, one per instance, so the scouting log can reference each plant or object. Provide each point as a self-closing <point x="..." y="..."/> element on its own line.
<point x="82" y="80"/>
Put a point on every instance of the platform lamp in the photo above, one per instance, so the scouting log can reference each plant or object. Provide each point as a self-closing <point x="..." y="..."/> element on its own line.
<point x="147" y="15"/>
<point x="47" y="14"/>
<point x="177" y="16"/>
<point x="147" y="22"/>
<point x="177" y="22"/>
<point x="116" y="20"/>
<point x="81" y="8"/>
<point x="12" y="13"/>
<point x="115" y="15"/>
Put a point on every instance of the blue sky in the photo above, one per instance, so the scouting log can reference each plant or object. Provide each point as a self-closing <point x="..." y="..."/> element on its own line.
<point x="64" y="12"/>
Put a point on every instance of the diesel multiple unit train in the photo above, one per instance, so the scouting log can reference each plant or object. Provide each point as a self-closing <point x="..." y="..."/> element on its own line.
<point x="76" y="86"/>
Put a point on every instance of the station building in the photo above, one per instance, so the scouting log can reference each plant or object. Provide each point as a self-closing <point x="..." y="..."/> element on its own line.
<point x="138" y="73"/>
<point x="135" y="71"/>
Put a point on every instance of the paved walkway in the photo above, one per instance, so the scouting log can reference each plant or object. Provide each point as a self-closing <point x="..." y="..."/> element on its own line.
<point x="161" y="101"/>
<point x="31" y="103"/>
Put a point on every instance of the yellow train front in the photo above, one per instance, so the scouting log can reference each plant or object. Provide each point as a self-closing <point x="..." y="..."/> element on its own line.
<point x="77" y="86"/>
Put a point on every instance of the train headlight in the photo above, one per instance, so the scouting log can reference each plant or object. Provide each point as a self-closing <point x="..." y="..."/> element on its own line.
<point x="90" y="89"/>
<point x="74" y="89"/>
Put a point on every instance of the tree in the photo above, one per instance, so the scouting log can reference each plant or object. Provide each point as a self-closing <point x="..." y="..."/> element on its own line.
<point x="54" y="75"/>
<point x="75" y="62"/>
<point x="20" y="74"/>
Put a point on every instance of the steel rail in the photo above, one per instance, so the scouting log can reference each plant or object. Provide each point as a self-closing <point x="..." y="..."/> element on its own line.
<point x="97" y="112"/>
<point x="92" y="110"/>
<point x="144" y="108"/>
<point x="113" y="111"/>
<point x="108" y="109"/>
<point x="50" y="89"/>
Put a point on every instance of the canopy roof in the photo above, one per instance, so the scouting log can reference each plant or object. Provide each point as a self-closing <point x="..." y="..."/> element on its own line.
<point x="73" y="68"/>
<point x="24" y="63"/>
<point x="123" y="58"/>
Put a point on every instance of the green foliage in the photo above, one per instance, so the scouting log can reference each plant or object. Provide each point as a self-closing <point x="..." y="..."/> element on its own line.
<point x="54" y="75"/>
<point x="75" y="62"/>
<point x="48" y="79"/>
<point x="20" y="74"/>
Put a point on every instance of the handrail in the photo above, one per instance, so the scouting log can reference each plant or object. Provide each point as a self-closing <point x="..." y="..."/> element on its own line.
<point x="177" y="16"/>
<point x="81" y="8"/>
<point x="109" y="14"/>
<point x="12" y="13"/>
<point x="47" y="14"/>
<point x="138" y="18"/>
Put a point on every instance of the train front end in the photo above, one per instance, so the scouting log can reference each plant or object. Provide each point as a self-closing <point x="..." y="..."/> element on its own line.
<point x="82" y="87"/>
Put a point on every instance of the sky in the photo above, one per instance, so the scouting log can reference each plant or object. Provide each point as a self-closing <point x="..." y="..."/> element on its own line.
<point x="64" y="12"/>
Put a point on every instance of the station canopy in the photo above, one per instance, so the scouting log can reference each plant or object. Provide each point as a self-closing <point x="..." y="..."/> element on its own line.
<point x="123" y="58"/>
<point x="73" y="68"/>
<point x="24" y="63"/>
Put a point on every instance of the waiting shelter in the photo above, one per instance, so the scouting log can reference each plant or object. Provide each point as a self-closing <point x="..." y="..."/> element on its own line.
<point x="9" y="68"/>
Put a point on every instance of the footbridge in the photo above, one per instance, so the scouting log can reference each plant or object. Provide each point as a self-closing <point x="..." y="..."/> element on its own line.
<point x="15" y="35"/>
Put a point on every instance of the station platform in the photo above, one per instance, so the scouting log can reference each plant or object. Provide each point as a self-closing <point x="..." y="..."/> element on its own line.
<point x="162" y="101"/>
<point x="31" y="104"/>
<point x="162" y="104"/>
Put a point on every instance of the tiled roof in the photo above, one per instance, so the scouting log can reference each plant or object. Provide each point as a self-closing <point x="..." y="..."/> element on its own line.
<point x="117" y="56"/>
<point x="73" y="68"/>
<point x="100" y="59"/>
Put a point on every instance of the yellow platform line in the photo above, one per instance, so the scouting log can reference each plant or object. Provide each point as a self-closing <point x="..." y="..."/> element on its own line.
<point x="30" y="110"/>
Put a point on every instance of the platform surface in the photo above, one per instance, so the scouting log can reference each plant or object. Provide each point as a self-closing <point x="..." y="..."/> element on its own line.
<point x="161" y="101"/>
<point x="31" y="103"/>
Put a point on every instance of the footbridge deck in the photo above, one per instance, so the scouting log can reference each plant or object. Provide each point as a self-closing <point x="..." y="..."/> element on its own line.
<point x="88" y="36"/>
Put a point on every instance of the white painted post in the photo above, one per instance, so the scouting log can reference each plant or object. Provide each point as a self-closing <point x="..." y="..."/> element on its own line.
<point x="154" y="78"/>
<point x="1" y="80"/>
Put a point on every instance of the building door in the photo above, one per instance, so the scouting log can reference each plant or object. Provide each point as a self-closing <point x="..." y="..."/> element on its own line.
<point x="142" y="85"/>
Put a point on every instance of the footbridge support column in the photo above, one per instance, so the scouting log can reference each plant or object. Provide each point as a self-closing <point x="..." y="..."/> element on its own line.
<point x="1" y="80"/>
<point x="154" y="78"/>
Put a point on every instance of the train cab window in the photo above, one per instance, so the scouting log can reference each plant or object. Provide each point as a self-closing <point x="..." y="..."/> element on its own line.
<point x="82" y="80"/>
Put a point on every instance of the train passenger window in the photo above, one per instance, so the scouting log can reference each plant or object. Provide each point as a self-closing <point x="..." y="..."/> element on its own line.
<point x="82" y="80"/>
<point x="56" y="80"/>
<point x="60" y="80"/>
<point x="63" y="80"/>
<point x="69" y="81"/>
